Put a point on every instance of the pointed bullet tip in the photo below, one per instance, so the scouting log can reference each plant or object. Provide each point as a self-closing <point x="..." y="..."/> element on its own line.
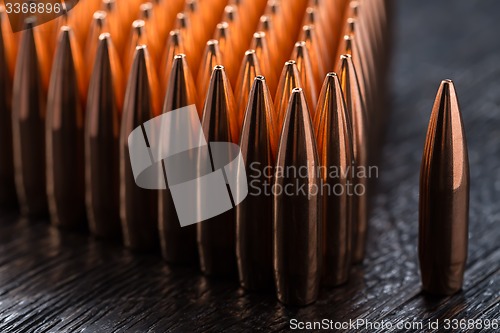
<point x="331" y="75"/>
<point x="105" y="36"/>
<point x="345" y="56"/>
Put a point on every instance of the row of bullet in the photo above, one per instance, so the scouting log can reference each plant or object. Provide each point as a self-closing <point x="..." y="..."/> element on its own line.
<point x="72" y="111"/>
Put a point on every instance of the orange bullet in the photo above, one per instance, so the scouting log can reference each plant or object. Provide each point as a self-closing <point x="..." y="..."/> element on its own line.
<point x="249" y="70"/>
<point x="290" y="79"/>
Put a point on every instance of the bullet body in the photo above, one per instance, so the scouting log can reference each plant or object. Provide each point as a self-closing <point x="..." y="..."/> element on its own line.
<point x="138" y="206"/>
<point x="444" y="197"/>
<point x="254" y="216"/>
<point x="334" y="139"/>
<point x="102" y="132"/>
<point x="178" y="244"/>
<point x="28" y="127"/>
<point x="64" y="137"/>
<point x="297" y="215"/>
<point x="216" y="236"/>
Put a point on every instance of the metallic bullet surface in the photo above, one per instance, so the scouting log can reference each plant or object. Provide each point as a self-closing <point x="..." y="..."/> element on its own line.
<point x="7" y="185"/>
<point x="211" y="58"/>
<point x="290" y="79"/>
<point x="97" y="27"/>
<point x="249" y="70"/>
<point x="301" y="57"/>
<point x="316" y="52"/>
<point x="28" y="124"/>
<point x="216" y="236"/>
<point x="444" y="197"/>
<point x="254" y="216"/>
<point x="174" y="47"/>
<point x="10" y="42"/>
<point x="64" y="135"/>
<point x="138" y="206"/>
<point x="333" y="136"/>
<point x="297" y="214"/>
<point x="102" y="134"/>
<point x="357" y="114"/>
<point x="137" y="37"/>
<point x="178" y="243"/>
<point x="264" y="53"/>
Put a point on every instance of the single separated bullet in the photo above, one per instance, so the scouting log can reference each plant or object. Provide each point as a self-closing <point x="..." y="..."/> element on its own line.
<point x="178" y="244"/>
<point x="7" y="185"/>
<point x="444" y="197"/>
<point x="297" y="208"/>
<point x="28" y="123"/>
<point x="64" y="135"/>
<point x="138" y="206"/>
<point x="102" y="134"/>
<point x="357" y="115"/>
<point x="332" y="127"/>
<point x="216" y="236"/>
<point x="254" y="216"/>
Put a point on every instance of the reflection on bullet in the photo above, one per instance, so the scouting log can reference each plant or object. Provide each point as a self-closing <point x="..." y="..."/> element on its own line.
<point x="290" y="79"/>
<point x="28" y="124"/>
<point x="102" y="131"/>
<point x="137" y="37"/>
<point x="10" y="42"/>
<point x="211" y="58"/>
<point x="7" y="186"/>
<point x="254" y="216"/>
<point x="301" y="57"/>
<point x="174" y="46"/>
<point x="178" y="243"/>
<point x="64" y="136"/>
<point x="249" y="70"/>
<point x="444" y="197"/>
<point x="138" y="206"/>
<point x="261" y="46"/>
<point x="297" y="215"/>
<point x="315" y="53"/>
<point x="216" y="236"/>
<point x="96" y="29"/>
<point x="334" y="139"/>
<point x="357" y="114"/>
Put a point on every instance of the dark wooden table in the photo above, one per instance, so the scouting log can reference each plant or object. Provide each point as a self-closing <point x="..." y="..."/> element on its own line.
<point x="55" y="281"/>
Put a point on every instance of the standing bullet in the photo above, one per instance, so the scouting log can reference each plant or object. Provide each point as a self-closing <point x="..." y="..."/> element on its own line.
<point x="216" y="236"/>
<point x="174" y="47"/>
<point x="7" y="185"/>
<point x="334" y="139"/>
<point x="178" y="243"/>
<point x="357" y="114"/>
<point x="211" y="58"/>
<point x="290" y="79"/>
<point x="249" y="70"/>
<point x="102" y="131"/>
<point x="254" y="216"/>
<point x="28" y="124"/>
<point x="138" y="206"/>
<point x="297" y="208"/>
<point x="301" y="57"/>
<point x="64" y="135"/>
<point x="444" y="197"/>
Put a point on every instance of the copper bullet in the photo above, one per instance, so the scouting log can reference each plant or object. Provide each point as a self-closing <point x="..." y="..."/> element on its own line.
<point x="312" y="19"/>
<point x="211" y="58"/>
<point x="80" y="18"/>
<point x="7" y="185"/>
<point x="332" y="127"/>
<point x="264" y="54"/>
<point x="191" y="49"/>
<point x="28" y="124"/>
<point x="227" y="51"/>
<point x="178" y="243"/>
<point x="174" y="46"/>
<point x="316" y="52"/>
<point x="138" y="206"/>
<point x="444" y="197"/>
<point x="216" y="236"/>
<point x="290" y="79"/>
<point x="254" y="216"/>
<point x="357" y="114"/>
<point x="96" y="29"/>
<point x="137" y="37"/>
<point x="102" y="131"/>
<point x="119" y="20"/>
<point x="297" y="212"/>
<point x="301" y="57"/>
<point x="64" y="136"/>
<point x="153" y="37"/>
<point x="249" y="70"/>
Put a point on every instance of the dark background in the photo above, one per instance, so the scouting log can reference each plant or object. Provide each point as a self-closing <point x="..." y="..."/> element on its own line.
<point x="60" y="281"/>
